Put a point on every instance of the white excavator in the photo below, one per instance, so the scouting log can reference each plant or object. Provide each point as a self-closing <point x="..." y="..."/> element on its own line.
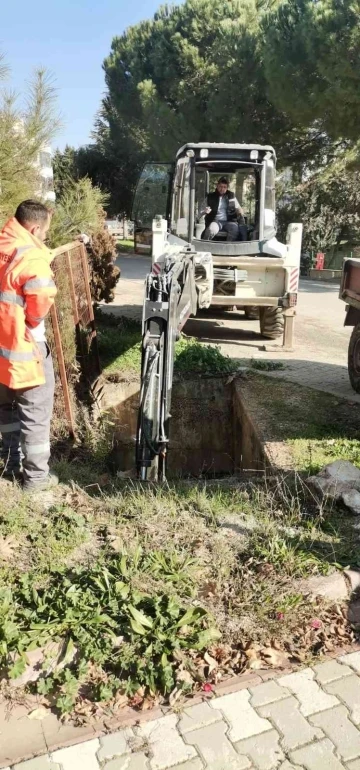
<point x="191" y="272"/>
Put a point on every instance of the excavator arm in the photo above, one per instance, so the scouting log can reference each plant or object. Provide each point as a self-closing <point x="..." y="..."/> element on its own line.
<point x="170" y="298"/>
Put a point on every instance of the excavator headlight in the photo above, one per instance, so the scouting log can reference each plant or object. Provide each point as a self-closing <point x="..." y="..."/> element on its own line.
<point x="204" y="153"/>
<point x="254" y="154"/>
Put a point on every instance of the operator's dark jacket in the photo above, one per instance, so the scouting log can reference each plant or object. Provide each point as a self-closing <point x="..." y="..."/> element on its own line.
<point x="213" y="202"/>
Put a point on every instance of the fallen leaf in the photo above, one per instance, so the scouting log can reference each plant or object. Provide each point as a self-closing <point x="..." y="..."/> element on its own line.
<point x="275" y="658"/>
<point x="7" y="547"/>
<point x="256" y="664"/>
<point x="147" y="704"/>
<point x="117" y="544"/>
<point x="184" y="676"/>
<point x="174" y="696"/>
<point x="207" y="589"/>
<point x="251" y="654"/>
<point x="39" y="713"/>
<point x="211" y="662"/>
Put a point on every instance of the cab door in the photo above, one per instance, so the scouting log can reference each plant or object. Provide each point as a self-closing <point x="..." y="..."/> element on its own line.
<point x="152" y="197"/>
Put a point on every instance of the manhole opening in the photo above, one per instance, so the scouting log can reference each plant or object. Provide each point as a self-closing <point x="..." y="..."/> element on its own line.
<point x="210" y="433"/>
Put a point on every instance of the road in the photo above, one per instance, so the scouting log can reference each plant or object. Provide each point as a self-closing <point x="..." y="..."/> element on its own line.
<point x="321" y="340"/>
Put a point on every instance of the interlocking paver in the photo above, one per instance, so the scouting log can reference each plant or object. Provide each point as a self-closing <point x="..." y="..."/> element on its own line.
<point x="348" y="690"/>
<point x="39" y="763"/>
<point x="215" y="748"/>
<point x="262" y="727"/>
<point x="127" y="762"/>
<point x="330" y="671"/>
<point x="269" y="692"/>
<point x="317" y="756"/>
<point x="78" y="757"/>
<point x="115" y="745"/>
<point x="198" y="716"/>
<point x="264" y="750"/>
<point x="167" y="746"/>
<point x="243" y="719"/>
<point x="352" y="660"/>
<point x="312" y="698"/>
<point x="342" y="733"/>
<point x="286" y="717"/>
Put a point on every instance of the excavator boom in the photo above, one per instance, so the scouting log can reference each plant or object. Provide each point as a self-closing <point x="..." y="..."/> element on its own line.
<point x="170" y="298"/>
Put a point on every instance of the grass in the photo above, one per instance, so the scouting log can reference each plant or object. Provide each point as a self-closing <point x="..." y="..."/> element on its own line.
<point x="140" y="585"/>
<point x="266" y="366"/>
<point x="119" y="343"/>
<point x="151" y="592"/>
<point x="125" y="246"/>
<point x="120" y="350"/>
<point x="316" y="427"/>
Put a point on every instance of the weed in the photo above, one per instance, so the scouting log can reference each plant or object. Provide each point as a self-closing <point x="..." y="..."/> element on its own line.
<point x="120" y="350"/>
<point x="129" y="583"/>
<point x="266" y="366"/>
<point x="192" y="356"/>
<point x="100" y="613"/>
<point x="119" y="342"/>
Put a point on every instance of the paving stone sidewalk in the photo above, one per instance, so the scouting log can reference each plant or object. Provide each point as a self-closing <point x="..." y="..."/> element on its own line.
<point x="308" y="720"/>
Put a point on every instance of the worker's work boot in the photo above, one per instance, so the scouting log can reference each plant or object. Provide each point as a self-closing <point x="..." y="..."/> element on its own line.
<point x="49" y="482"/>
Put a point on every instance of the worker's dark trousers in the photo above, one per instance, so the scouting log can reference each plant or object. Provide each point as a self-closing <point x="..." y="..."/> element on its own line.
<point x="25" y="417"/>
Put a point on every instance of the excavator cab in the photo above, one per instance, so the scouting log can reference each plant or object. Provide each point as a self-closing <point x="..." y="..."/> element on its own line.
<point x="177" y="192"/>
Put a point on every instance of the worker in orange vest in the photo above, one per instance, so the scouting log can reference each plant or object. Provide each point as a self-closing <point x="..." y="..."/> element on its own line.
<point x="27" y="291"/>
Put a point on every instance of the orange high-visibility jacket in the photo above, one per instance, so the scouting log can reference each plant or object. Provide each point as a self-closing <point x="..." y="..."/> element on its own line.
<point x="27" y="291"/>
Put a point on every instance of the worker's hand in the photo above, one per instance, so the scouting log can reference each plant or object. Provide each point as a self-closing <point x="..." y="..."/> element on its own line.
<point x="208" y="210"/>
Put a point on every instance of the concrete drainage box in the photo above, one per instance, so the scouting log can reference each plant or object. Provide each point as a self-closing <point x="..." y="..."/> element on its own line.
<point x="210" y="433"/>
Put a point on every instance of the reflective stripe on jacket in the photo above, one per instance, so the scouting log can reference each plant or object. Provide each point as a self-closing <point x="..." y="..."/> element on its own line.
<point x="27" y="291"/>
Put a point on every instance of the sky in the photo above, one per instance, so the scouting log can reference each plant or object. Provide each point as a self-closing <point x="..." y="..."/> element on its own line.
<point x="70" y="38"/>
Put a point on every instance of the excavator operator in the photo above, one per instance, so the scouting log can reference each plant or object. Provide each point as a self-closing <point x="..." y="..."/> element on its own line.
<point x="223" y="212"/>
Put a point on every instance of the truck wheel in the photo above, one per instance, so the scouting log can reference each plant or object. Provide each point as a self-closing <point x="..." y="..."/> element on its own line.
<point x="251" y="312"/>
<point x="354" y="359"/>
<point x="271" y="322"/>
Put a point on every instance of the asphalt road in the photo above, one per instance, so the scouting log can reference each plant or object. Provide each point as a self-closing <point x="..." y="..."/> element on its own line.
<point x="321" y="340"/>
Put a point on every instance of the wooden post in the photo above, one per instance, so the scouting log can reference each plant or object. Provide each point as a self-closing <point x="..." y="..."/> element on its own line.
<point x="86" y="274"/>
<point x="62" y="370"/>
<point x="72" y="288"/>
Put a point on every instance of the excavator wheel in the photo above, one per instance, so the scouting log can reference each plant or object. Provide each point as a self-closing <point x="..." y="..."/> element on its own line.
<point x="251" y="312"/>
<point x="354" y="359"/>
<point x="271" y="322"/>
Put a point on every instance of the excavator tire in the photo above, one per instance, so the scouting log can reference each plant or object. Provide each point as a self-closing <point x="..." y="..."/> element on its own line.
<point x="354" y="359"/>
<point x="251" y="312"/>
<point x="271" y="322"/>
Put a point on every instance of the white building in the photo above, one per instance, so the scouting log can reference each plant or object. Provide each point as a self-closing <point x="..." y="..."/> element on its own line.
<point x="46" y="174"/>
